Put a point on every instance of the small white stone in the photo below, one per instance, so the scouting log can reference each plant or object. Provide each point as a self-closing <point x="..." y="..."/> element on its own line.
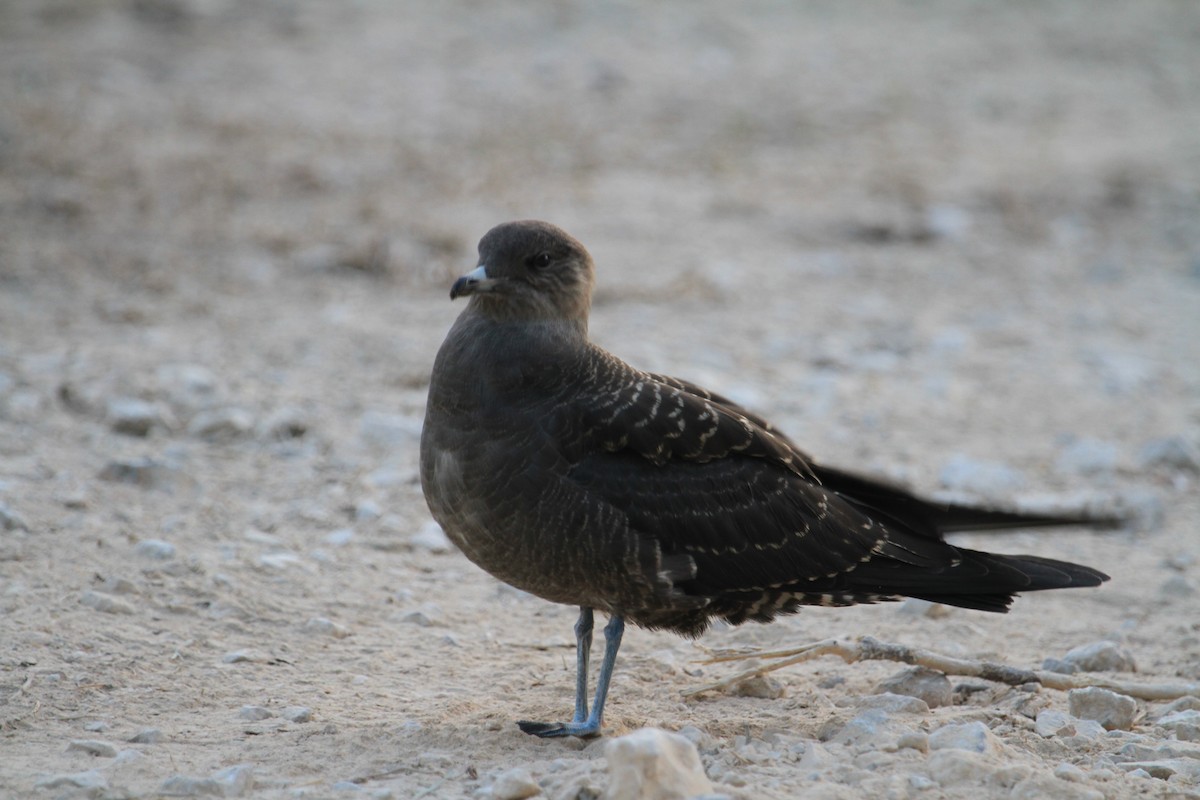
<point x="91" y="781"/>
<point x="221" y="424"/>
<point x="515" y="784"/>
<point x="949" y="767"/>
<point x="93" y="747"/>
<point x="652" y="764"/>
<point x="431" y="538"/>
<point x="926" y="684"/>
<point x="326" y="627"/>
<point x="106" y="603"/>
<point x="156" y="549"/>
<point x="1102" y="656"/>
<point x="297" y="714"/>
<point x="254" y="713"/>
<point x="1184" y="724"/>
<point x="761" y="686"/>
<point x="1113" y="711"/>
<point x="972" y="736"/>
<point x="1069" y="772"/>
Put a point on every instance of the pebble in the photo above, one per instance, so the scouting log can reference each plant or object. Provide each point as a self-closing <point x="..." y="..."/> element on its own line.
<point x="254" y="713"/>
<point x="1041" y="787"/>
<point x="230" y="782"/>
<point x="923" y="683"/>
<point x="149" y="473"/>
<point x="1113" y="711"/>
<point x="297" y="714"/>
<point x="515" y="784"/>
<point x="971" y="736"/>
<point x="1059" y="666"/>
<point x="96" y="726"/>
<point x="949" y="767"/>
<point x="240" y="656"/>
<point x="284" y="423"/>
<point x="91" y="781"/>
<point x="188" y="386"/>
<point x="221" y="424"/>
<point x="916" y="607"/>
<point x="652" y="764"/>
<point x="106" y="603"/>
<point x="10" y="520"/>
<point x="340" y="538"/>
<point x="1171" y="452"/>
<point x="1102" y="656"/>
<point x="874" y="728"/>
<point x="966" y="474"/>
<point x="133" y="417"/>
<point x="761" y="686"/>
<point x="1184" y="724"/>
<point x="1087" y="456"/>
<point x="326" y="627"/>
<point x="1069" y="772"/>
<point x="93" y="747"/>
<point x="894" y="703"/>
<point x="1052" y="722"/>
<point x="147" y="736"/>
<point x="431" y="538"/>
<point x="155" y="548"/>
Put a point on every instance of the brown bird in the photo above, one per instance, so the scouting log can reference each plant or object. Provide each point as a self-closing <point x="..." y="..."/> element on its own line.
<point x="567" y="473"/>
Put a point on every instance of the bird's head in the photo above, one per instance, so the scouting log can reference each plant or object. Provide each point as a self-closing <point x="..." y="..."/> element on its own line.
<point x="530" y="270"/>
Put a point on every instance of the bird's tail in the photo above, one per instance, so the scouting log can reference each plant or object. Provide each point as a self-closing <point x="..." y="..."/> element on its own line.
<point x="893" y="503"/>
<point x="983" y="581"/>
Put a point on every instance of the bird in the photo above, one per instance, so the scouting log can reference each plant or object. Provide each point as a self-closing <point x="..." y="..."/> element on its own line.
<point x="567" y="473"/>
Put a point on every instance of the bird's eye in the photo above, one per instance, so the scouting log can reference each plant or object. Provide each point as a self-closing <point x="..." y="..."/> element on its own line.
<point x="539" y="261"/>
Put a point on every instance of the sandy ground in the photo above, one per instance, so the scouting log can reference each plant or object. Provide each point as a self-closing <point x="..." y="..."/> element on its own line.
<point x="955" y="243"/>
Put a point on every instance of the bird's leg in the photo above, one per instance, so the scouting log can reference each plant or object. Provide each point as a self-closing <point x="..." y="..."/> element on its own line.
<point x="583" y="654"/>
<point x="586" y="725"/>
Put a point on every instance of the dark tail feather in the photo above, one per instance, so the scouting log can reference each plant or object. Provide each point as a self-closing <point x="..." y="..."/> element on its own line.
<point x="983" y="581"/>
<point x="894" y="503"/>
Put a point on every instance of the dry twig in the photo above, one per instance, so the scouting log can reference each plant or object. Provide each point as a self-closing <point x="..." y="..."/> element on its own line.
<point x="870" y="649"/>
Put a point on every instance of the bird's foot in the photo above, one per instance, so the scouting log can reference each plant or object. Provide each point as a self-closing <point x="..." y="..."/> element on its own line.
<point x="549" y="730"/>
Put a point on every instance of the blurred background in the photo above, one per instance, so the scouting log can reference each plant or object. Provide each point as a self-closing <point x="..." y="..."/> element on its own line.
<point x="953" y="242"/>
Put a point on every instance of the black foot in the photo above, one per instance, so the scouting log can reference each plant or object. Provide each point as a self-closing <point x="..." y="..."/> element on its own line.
<point x="550" y="730"/>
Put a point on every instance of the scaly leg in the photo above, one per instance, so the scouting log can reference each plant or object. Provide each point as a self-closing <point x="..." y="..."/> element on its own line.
<point x="585" y="725"/>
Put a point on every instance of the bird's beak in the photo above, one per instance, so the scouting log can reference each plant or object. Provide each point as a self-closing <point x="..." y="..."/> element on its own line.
<point x="476" y="280"/>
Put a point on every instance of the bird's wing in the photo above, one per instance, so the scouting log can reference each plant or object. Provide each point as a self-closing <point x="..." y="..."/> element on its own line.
<point x="707" y="481"/>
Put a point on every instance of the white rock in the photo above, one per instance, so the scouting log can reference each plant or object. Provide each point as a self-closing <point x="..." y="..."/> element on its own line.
<point x="156" y="549"/>
<point x="147" y="736"/>
<point x="515" y="784"/>
<point x="1113" y="711"/>
<point x="1069" y="772"/>
<point x="133" y="417"/>
<point x="926" y="684"/>
<point x="1102" y="656"/>
<point x="949" y="767"/>
<point x="10" y="520"/>
<point x="297" y="714"/>
<point x="972" y="736"/>
<point x="1052" y="722"/>
<point x="254" y="713"/>
<point x="431" y="538"/>
<point x="874" y="727"/>
<point x="652" y="764"/>
<point x="189" y="386"/>
<point x="1043" y="787"/>
<point x="106" y="603"/>
<point x="761" y="686"/>
<point x="221" y="424"/>
<point x="893" y="703"/>
<point x="93" y="747"/>
<point x="91" y="781"/>
<point x="1172" y="452"/>
<point x="326" y="627"/>
<point x="284" y="423"/>
<point x="1184" y="724"/>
